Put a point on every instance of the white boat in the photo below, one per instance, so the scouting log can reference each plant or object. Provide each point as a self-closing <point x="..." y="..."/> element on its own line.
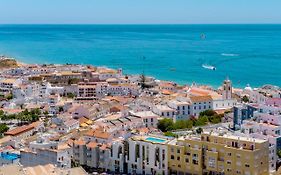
<point x="206" y="66"/>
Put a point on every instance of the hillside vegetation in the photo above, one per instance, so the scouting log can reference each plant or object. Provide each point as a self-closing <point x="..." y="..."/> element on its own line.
<point x="8" y="63"/>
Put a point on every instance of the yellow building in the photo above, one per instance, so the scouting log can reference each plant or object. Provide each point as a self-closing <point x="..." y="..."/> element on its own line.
<point x="214" y="153"/>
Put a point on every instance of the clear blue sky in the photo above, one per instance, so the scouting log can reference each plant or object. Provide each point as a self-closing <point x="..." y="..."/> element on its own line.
<point x="139" y="11"/>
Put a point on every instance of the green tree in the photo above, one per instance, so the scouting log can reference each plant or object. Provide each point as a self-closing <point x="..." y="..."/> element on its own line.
<point x="70" y="95"/>
<point x="3" y="128"/>
<point x="201" y="121"/>
<point x="36" y="111"/>
<point x="215" y="119"/>
<point x="73" y="81"/>
<point x="165" y="125"/>
<point x="189" y="123"/>
<point x="180" y="124"/>
<point x="279" y="153"/>
<point x="199" y="130"/>
<point x="245" y="99"/>
<point x="60" y="109"/>
<point x="9" y="96"/>
<point x="46" y="113"/>
<point x="208" y="112"/>
<point x="170" y="134"/>
<point x="1" y="112"/>
<point x="74" y="163"/>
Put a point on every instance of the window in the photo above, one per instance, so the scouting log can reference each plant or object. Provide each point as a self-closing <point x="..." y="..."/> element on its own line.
<point x="247" y="165"/>
<point x="178" y="158"/>
<point x="229" y="154"/>
<point x="238" y="155"/>
<point x="212" y="162"/>
<point x="195" y="159"/>
<point x="172" y="157"/>
<point x="178" y="151"/>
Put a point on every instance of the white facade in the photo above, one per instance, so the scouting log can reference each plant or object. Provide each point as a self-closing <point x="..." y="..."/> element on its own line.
<point x="68" y="125"/>
<point x="146" y="157"/>
<point x="149" y="118"/>
<point x="200" y="105"/>
<point x="7" y="85"/>
<point x="224" y="104"/>
<point x="61" y="158"/>
<point x="164" y="111"/>
<point x="117" y="156"/>
<point x="266" y="126"/>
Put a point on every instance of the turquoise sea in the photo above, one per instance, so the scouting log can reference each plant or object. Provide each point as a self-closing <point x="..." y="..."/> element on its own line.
<point x="246" y="53"/>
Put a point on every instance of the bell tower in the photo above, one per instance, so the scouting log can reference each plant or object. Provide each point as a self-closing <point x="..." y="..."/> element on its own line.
<point x="227" y="89"/>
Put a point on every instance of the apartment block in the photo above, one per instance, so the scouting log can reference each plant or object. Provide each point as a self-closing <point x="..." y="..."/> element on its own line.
<point x="217" y="153"/>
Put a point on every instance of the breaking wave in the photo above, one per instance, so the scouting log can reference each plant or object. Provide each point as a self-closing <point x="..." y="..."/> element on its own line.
<point x="229" y="54"/>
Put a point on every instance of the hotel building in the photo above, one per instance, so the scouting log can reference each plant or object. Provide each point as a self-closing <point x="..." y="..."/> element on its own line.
<point x="147" y="155"/>
<point x="218" y="153"/>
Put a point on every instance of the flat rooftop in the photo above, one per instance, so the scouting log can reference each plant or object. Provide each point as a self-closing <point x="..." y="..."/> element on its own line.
<point x="151" y="139"/>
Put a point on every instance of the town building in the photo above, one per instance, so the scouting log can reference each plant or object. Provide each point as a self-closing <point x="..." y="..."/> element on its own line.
<point x="216" y="153"/>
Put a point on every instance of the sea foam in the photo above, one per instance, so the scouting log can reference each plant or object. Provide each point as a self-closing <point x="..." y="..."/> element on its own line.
<point x="229" y="54"/>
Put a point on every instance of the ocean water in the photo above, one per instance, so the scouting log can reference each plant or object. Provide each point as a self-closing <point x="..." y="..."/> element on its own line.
<point x="247" y="54"/>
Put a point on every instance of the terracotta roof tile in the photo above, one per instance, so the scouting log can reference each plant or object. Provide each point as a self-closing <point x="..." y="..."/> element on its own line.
<point x="98" y="134"/>
<point x="92" y="145"/>
<point x="201" y="98"/>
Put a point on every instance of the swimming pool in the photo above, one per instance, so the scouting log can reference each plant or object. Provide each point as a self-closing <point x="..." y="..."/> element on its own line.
<point x="9" y="156"/>
<point x="155" y="140"/>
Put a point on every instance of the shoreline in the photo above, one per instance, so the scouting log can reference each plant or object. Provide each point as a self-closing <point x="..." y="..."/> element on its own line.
<point x="23" y="63"/>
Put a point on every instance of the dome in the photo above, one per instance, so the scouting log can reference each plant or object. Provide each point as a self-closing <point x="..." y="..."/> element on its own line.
<point x="248" y="87"/>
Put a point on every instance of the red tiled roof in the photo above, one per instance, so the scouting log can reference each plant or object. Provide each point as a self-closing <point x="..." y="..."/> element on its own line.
<point x="22" y="129"/>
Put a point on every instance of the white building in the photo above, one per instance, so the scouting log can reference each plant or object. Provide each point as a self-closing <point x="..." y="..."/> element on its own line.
<point x="164" y="111"/>
<point x="7" y="85"/>
<point x="147" y="155"/>
<point x="117" y="157"/>
<point x="149" y="118"/>
<point x="58" y="157"/>
<point x="182" y="107"/>
<point x="200" y="104"/>
<point x="265" y="125"/>
<point x="254" y="95"/>
<point x="92" y="154"/>
<point x="67" y="126"/>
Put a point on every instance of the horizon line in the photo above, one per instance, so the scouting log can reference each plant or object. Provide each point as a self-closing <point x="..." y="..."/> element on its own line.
<point x="140" y="23"/>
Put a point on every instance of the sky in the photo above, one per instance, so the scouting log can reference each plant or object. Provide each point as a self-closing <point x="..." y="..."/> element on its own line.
<point x="139" y="11"/>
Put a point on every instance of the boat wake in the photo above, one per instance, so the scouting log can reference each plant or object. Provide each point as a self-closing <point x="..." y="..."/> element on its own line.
<point x="229" y="54"/>
<point x="210" y="67"/>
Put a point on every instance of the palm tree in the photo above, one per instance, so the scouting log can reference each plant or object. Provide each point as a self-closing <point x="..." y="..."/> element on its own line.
<point x="142" y="81"/>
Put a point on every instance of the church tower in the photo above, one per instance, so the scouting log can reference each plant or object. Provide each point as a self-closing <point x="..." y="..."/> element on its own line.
<point x="227" y="89"/>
